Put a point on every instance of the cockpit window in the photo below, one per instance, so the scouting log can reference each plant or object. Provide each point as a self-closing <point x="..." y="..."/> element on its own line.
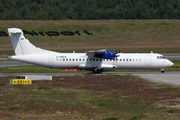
<point x="161" y="57"/>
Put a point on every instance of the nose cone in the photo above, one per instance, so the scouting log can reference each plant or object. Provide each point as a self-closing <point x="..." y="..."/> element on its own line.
<point x="170" y="64"/>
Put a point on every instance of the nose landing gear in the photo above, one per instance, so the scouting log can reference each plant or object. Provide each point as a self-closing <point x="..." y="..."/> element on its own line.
<point x="162" y="70"/>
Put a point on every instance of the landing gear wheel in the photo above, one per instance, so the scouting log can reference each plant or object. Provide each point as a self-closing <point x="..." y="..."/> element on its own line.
<point x="162" y="70"/>
<point x="94" y="71"/>
<point x="97" y="71"/>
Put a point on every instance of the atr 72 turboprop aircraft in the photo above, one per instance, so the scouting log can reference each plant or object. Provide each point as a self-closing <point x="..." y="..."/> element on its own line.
<point x="96" y="61"/>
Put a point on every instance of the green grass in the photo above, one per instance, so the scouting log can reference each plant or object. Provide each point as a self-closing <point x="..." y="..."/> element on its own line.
<point x="60" y="99"/>
<point x="28" y="69"/>
<point x="159" y="36"/>
<point x="138" y="117"/>
<point x="19" y="85"/>
<point x="176" y="62"/>
<point x="111" y="118"/>
<point x="14" y="107"/>
<point x="3" y="84"/>
<point x="44" y="88"/>
<point x="172" y="110"/>
<point x="50" y="97"/>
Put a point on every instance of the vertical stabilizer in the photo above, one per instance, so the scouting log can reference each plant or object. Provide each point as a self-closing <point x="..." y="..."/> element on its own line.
<point x="21" y="45"/>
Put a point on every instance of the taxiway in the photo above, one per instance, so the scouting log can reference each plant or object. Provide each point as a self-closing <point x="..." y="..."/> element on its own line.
<point x="171" y="78"/>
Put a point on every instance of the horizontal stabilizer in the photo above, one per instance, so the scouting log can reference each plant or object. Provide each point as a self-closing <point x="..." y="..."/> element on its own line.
<point x="14" y="31"/>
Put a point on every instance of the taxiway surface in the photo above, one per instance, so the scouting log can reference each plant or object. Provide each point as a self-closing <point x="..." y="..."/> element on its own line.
<point x="171" y="78"/>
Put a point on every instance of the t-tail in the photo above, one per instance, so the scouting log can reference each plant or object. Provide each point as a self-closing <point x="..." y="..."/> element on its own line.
<point x="21" y="45"/>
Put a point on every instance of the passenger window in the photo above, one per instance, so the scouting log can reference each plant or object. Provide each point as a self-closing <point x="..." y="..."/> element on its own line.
<point x="123" y="59"/>
<point x="93" y="59"/>
<point x="66" y="59"/>
<point x="83" y="59"/>
<point x="129" y="59"/>
<point x="69" y="59"/>
<point x="90" y="59"/>
<point x="79" y="59"/>
<point x="63" y="59"/>
<point x="120" y="59"/>
<point x="76" y="59"/>
<point x="126" y="59"/>
<point x="96" y="59"/>
<point x="100" y="59"/>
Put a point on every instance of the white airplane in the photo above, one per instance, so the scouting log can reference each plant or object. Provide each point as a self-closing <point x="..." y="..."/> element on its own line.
<point x="96" y="61"/>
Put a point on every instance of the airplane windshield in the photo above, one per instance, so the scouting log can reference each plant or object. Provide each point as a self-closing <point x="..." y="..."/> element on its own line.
<point x="161" y="57"/>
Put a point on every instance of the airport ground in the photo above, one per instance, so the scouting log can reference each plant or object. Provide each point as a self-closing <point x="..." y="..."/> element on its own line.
<point x="83" y="95"/>
<point x="87" y="96"/>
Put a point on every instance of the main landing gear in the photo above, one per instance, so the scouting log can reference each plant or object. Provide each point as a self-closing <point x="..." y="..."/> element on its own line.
<point x="97" y="70"/>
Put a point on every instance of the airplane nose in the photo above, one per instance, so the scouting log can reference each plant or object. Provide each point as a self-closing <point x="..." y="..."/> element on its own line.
<point x="171" y="63"/>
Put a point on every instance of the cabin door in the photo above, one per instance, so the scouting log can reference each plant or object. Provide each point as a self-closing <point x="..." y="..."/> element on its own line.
<point x="148" y="61"/>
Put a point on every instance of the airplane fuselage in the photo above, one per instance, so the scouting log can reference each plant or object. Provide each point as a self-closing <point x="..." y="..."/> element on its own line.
<point x="82" y="61"/>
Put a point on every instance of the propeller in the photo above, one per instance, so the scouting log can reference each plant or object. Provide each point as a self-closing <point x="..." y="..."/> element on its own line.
<point x="116" y="54"/>
<point x="106" y="54"/>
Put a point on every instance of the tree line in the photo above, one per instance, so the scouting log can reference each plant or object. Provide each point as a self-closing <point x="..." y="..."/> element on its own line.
<point x="88" y="9"/>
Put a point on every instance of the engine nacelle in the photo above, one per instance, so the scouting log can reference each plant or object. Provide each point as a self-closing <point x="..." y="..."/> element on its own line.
<point x="105" y="54"/>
